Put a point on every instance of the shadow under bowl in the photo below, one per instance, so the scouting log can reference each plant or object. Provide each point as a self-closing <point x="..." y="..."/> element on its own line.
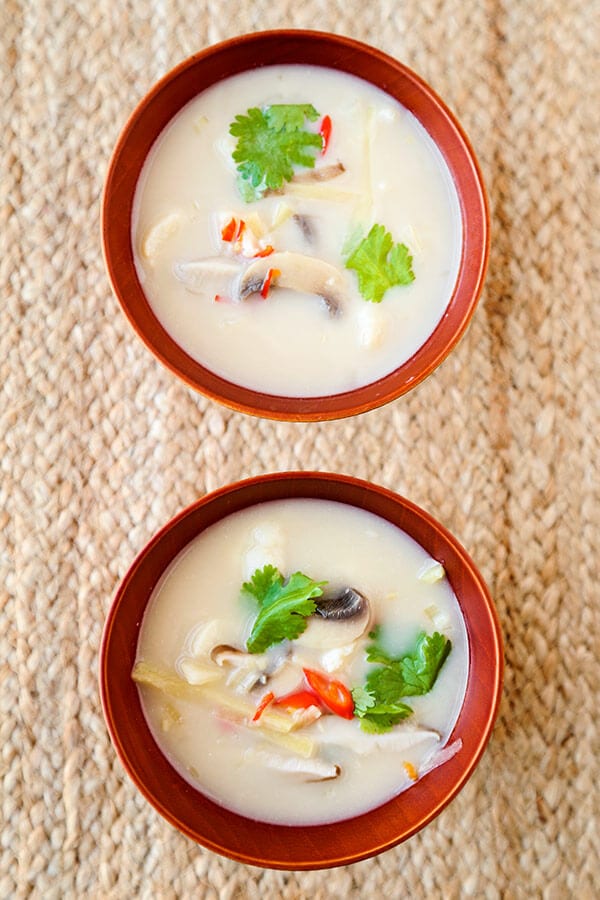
<point x="281" y="846"/>
<point x="314" y="48"/>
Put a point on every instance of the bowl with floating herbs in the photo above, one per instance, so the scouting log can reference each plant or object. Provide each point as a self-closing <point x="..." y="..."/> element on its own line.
<point x="296" y="225"/>
<point x="301" y="670"/>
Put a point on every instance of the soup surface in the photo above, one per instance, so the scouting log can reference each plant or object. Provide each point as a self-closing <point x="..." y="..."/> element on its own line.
<point x="297" y="732"/>
<point x="369" y="163"/>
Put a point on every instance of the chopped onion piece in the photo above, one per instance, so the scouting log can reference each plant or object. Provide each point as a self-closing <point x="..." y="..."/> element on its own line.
<point x="439" y="757"/>
<point x="160" y="233"/>
<point x="431" y="571"/>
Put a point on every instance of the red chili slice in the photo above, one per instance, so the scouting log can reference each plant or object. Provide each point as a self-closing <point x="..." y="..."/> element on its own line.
<point x="233" y="230"/>
<point x="334" y="695"/>
<point x="325" y="132"/>
<point x="266" y="251"/>
<point x="228" y="231"/>
<point x="271" y="274"/>
<point x="263" y="705"/>
<point x="301" y="699"/>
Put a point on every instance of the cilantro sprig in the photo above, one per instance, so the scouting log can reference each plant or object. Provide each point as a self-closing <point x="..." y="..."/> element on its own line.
<point x="284" y="606"/>
<point x="270" y="142"/>
<point x="378" y="704"/>
<point x="377" y="717"/>
<point x="380" y="264"/>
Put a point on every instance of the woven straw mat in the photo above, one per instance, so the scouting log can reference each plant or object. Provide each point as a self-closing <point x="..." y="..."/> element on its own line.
<point x="101" y="445"/>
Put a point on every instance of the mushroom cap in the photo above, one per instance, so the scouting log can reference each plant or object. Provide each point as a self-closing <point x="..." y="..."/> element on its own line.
<point x="344" y="604"/>
<point x="341" y="617"/>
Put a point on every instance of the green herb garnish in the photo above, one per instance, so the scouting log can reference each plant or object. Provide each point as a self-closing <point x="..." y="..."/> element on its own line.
<point x="377" y="716"/>
<point x="380" y="264"/>
<point x="283" y="606"/>
<point x="363" y="700"/>
<point x="421" y="669"/>
<point x="270" y="142"/>
<point x="378" y="703"/>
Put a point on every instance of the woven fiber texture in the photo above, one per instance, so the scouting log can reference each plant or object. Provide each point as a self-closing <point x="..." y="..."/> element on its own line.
<point x="100" y="445"/>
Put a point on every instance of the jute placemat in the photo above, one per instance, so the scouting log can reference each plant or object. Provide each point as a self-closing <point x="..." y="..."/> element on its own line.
<point x="100" y="445"/>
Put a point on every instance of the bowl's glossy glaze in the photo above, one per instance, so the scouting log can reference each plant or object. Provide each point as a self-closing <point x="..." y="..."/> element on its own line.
<point x="315" y="48"/>
<point x="294" y="847"/>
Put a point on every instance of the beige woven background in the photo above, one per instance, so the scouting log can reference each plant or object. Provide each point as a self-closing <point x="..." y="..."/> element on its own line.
<point x="100" y="445"/>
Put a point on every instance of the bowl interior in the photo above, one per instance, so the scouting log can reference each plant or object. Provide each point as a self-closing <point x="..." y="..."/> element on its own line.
<point x="314" y="48"/>
<point x="297" y="847"/>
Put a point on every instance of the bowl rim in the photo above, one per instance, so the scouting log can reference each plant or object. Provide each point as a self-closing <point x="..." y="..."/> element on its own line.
<point x="119" y="260"/>
<point x="484" y="687"/>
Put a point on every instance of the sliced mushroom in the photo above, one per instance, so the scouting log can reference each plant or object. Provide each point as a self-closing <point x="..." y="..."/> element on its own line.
<point x="212" y="275"/>
<point x="226" y="655"/>
<point x="332" y="731"/>
<point x="340" y="618"/>
<point x="322" y="173"/>
<point x="347" y="603"/>
<point x="306" y="226"/>
<point x="312" y="176"/>
<point x="247" y="669"/>
<point x="297" y="272"/>
<point x="319" y="769"/>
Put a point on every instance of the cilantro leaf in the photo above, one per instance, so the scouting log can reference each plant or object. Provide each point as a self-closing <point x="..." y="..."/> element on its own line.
<point x="387" y="683"/>
<point x="363" y="700"/>
<point x="375" y="652"/>
<point x="377" y="717"/>
<point x="380" y="264"/>
<point x="265" y="580"/>
<point x="383" y="716"/>
<point x="270" y="142"/>
<point x="421" y="669"/>
<point x="410" y="675"/>
<point x="284" y="606"/>
<point x="248" y="193"/>
<point x="378" y="704"/>
<point x="290" y="115"/>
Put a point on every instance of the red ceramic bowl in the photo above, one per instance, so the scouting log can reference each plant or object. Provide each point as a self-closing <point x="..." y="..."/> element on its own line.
<point x="297" y="847"/>
<point x="315" y="48"/>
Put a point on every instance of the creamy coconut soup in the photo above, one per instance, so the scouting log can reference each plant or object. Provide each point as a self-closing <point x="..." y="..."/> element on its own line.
<point x="296" y="231"/>
<point x="303" y="661"/>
